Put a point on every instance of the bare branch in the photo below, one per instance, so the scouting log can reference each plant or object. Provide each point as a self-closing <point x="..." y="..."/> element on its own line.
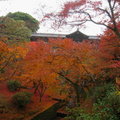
<point x="104" y="10"/>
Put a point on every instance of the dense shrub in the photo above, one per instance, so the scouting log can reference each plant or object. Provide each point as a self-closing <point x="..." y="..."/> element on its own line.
<point x="13" y="85"/>
<point x="99" y="92"/>
<point x="113" y="100"/>
<point x="21" y="99"/>
<point x="106" y="107"/>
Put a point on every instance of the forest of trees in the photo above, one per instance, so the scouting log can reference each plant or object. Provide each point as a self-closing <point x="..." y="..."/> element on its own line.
<point x="85" y="75"/>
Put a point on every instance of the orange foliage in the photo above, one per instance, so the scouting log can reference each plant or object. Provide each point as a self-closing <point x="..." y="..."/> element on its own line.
<point x="58" y="66"/>
<point x="109" y="54"/>
<point x="55" y="62"/>
<point x="9" y="58"/>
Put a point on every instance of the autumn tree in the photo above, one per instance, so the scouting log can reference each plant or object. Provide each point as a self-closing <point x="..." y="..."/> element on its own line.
<point x="109" y="54"/>
<point x="76" y="64"/>
<point x="35" y="72"/>
<point x="105" y="13"/>
<point x="9" y="58"/>
<point x="62" y="65"/>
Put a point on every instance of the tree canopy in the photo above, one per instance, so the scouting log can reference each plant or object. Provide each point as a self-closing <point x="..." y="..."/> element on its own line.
<point x="30" y="21"/>
<point x="14" y="31"/>
<point x="100" y="12"/>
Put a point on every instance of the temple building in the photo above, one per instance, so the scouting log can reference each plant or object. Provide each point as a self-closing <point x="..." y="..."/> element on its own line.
<point x="76" y="36"/>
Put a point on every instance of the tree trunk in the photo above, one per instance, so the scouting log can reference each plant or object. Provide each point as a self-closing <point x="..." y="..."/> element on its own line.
<point x="77" y="91"/>
<point x="80" y="93"/>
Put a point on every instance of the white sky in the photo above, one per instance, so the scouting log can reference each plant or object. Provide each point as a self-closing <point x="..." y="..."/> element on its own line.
<point x="33" y="7"/>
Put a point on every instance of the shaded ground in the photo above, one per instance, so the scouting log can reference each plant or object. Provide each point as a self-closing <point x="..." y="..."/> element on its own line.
<point x="10" y="112"/>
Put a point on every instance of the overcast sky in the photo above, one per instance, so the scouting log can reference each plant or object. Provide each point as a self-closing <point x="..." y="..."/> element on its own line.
<point x="33" y="7"/>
